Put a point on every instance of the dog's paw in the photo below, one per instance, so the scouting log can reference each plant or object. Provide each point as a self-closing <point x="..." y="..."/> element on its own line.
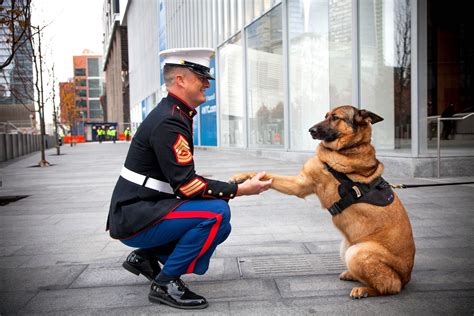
<point x="347" y="276"/>
<point x="362" y="292"/>
<point x="240" y="178"/>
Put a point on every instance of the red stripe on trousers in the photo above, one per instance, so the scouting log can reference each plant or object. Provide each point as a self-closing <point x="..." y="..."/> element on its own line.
<point x="212" y="233"/>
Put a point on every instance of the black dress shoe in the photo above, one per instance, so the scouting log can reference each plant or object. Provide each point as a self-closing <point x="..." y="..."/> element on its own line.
<point x="142" y="264"/>
<point x="176" y="294"/>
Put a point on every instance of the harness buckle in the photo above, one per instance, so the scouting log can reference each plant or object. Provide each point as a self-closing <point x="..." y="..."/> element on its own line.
<point x="357" y="191"/>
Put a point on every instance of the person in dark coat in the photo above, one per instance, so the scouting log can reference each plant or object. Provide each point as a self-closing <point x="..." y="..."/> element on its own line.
<point x="448" y="124"/>
<point x="160" y="205"/>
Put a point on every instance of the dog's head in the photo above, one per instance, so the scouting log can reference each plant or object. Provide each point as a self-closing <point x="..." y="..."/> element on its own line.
<point x="344" y="127"/>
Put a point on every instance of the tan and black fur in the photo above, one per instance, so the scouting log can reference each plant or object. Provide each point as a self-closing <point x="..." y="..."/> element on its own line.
<point x="378" y="247"/>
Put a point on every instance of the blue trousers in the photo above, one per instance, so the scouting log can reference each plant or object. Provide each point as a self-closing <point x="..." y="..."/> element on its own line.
<point x="195" y="228"/>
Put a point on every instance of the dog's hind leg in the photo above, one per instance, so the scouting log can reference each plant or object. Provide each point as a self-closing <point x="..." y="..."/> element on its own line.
<point x="346" y="275"/>
<point x="367" y="262"/>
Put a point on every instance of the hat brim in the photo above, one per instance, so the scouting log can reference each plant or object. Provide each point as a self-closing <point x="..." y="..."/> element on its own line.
<point x="198" y="70"/>
<point x="202" y="73"/>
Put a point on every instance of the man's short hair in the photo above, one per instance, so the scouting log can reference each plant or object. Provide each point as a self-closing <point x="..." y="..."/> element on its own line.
<point x="169" y="73"/>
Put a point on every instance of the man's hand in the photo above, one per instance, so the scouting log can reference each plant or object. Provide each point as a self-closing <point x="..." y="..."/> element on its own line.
<point x="254" y="185"/>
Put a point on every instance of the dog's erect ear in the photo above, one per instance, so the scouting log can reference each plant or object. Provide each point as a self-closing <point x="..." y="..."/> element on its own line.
<point x="362" y="115"/>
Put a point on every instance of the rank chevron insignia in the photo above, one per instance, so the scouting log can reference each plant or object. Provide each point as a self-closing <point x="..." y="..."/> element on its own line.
<point x="192" y="187"/>
<point x="182" y="150"/>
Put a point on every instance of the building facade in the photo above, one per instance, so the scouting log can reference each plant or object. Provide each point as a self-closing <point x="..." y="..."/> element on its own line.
<point x="16" y="79"/>
<point x="88" y="82"/>
<point x="117" y="93"/>
<point x="281" y="65"/>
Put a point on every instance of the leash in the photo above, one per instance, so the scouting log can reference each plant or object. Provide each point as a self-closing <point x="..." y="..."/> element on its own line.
<point x="407" y="186"/>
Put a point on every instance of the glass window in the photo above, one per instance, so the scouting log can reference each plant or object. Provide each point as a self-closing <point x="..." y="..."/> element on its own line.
<point x="81" y="93"/>
<point x="320" y="63"/>
<point x="79" y="72"/>
<point x="95" y="114"/>
<point x="450" y="81"/>
<point x="385" y="41"/>
<point x="93" y="67"/>
<point x="248" y="11"/>
<point x="309" y="68"/>
<point x="94" y="105"/>
<point x="81" y="103"/>
<point x="81" y="82"/>
<point x="94" y="83"/>
<point x="340" y="52"/>
<point x="94" y="93"/>
<point x="95" y="90"/>
<point x="231" y="101"/>
<point x="265" y="80"/>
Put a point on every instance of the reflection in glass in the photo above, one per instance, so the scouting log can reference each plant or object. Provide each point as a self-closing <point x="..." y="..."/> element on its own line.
<point x="385" y="54"/>
<point x="231" y="106"/>
<point x="309" y="68"/>
<point x="450" y="83"/>
<point x="265" y="80"/>
<point x="340" y="52"/>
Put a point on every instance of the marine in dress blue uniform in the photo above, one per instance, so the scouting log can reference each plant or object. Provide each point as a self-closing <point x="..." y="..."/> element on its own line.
<point x="161" y="206"/>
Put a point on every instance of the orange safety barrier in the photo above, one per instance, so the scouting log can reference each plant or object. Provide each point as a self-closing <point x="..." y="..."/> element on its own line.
<point x="122" y="137"/>
<point x="76" y="139"/>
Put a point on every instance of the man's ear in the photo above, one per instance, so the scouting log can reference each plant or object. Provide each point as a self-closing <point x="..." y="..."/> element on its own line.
<point x="179" y="79"/>
<point x="363" y="117"/>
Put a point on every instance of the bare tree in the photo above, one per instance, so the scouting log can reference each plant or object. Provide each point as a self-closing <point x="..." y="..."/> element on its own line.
<point x="14" y="22"/>
<point x="38" y="84"/>
<point x="55" y="112"/>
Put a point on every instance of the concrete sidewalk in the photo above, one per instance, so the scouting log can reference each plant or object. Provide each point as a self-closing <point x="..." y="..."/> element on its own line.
<point x="281" y="258"/>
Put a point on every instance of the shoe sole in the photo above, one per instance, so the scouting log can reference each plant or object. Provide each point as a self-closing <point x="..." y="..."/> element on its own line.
<point x="158" y="300"/>
<point x="135" y="271"/>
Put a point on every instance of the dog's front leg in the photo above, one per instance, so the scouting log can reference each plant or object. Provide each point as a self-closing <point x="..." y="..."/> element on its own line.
<point x="299" y="186"/>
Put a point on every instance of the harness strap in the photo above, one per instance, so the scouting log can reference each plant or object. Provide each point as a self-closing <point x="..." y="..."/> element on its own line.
<point x="351" y="191"/>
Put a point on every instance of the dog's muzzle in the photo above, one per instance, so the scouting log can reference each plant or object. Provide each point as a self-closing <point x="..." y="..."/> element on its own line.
<point x="322" y="133"/>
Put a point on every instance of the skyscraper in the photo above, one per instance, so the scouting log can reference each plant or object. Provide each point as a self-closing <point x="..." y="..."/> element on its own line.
<point x="16" y="78"/>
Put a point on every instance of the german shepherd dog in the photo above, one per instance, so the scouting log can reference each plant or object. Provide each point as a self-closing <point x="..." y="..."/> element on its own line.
<point x="378" y="247"/>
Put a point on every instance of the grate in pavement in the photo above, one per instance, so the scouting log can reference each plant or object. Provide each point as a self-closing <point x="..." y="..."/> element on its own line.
<point x="308" y="264"/>
<point x="332" y="262"/>
<point x="281" y="265"/>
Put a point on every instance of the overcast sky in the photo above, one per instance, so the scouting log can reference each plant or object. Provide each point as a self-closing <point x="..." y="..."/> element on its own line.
<point x="73" y="25"/>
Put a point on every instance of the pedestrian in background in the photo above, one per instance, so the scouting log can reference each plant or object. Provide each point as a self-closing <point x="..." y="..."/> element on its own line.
<point x="112" y="134"/>
<point x="127" y="134"/>
<point x="447" y="124"/>
<point x="100" y="134"/>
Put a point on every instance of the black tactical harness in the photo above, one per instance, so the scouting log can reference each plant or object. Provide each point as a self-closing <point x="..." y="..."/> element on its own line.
<point x="377" y="192"/>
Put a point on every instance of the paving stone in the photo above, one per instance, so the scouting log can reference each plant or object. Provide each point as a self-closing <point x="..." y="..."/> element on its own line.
<point x="33" y="279"/>
<point x="44" y="235"/>
<point x="92" y="298"/>
<point x="69" y="258"/>
<point x="12" y="302"/>
<point x="99" y="275"/>
<point x="257" y="249"/>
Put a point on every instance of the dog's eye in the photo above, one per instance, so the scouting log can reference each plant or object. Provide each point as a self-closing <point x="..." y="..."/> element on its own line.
<point x="335" y="118"/>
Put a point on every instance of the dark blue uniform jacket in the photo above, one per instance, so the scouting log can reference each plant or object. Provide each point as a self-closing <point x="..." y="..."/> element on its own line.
<point x="162" y="148"/>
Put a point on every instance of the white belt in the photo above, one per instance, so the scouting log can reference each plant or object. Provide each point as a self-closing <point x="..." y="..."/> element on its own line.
<point x="150" y="182"/>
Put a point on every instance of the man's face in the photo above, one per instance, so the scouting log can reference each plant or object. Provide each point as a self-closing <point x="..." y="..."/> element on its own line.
<point x="195" y="88"/>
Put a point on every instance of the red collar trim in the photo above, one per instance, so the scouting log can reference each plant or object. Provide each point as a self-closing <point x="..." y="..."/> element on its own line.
<point x="189" y="111"/>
